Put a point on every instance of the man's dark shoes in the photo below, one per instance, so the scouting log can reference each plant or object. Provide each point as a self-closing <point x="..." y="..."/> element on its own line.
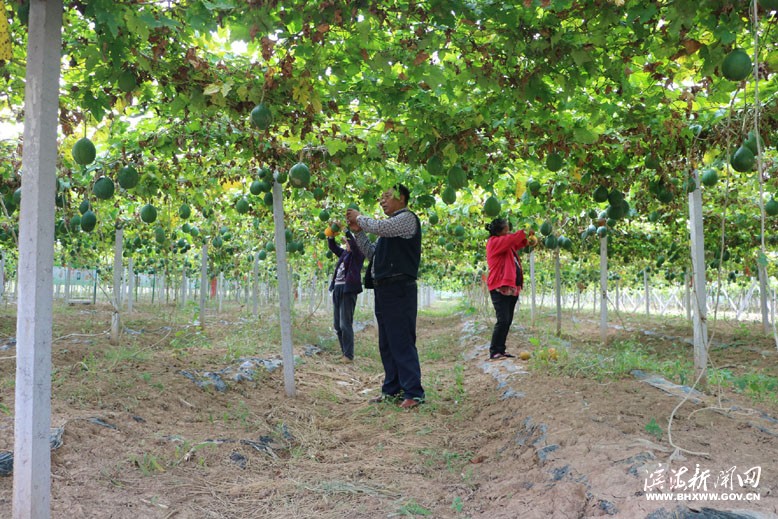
<point x="410" y="403"/>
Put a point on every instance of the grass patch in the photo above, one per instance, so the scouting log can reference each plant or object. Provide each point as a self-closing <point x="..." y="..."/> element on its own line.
<point x="412" y="508"/>
<point x="654" y="429"/>
<point x="435" y="348"/>
<point x="757" y="386"/>
<point x="8" y="382"/>
<point x="122" y="354"/>
<point x="616" y="361"/>
<point x="453" y="462"/>
<point x="621" y="358"/>
<point x="443" y="308"/>
<point x="190" y="338"/>
<point x="262" y="337"/>
<point x="367" y="349"/>
<point x="457" y="390"/>
<point x="148" y="464"/>
<point x="149" y="380"/>
<point x="246" y="341"/>
<point x="76" y="321"/>
<point x="325" y="395"/>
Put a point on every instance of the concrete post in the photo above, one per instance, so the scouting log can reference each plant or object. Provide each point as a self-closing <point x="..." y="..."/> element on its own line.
<point x="32" y="413"/>
<point x="203" y="282"/>
<point x="698" y="284"/>
<point x="255" y="286"/>
<point x="284" y="295"/>
<point x="532" y="287"/>
<point x="604" y="289"/>
<point x="117" y="286"/>
<point x="130" y="284"/>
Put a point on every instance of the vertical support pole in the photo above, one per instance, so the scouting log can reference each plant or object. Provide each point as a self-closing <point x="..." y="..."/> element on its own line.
<point x="95" y="275"/>
<point x="285" y="312"/>
<point x="646" y="291"/>
<point x="184" y="283"/>
<point x="533" y="293"/>
<point x="68" y="279"/>
<point x="203" y="282"/>
<point x="130" y="283"/>
<point x="604" y="290"/>
<point x="292" y="288"/>
<point x="117" y="285"/>
<point x="618" y="293"/>
<point x="2" y="275"/>
<point x="764" y="296"/>
<point x="255" y="286"/>
<point x="687" y="296"/>
<point x="314" y="292"/>
<point x="220" y="290"/>
<point x="699" y="302"/>
<point x="558" y="291"/>
<point x="125" y="285"/>
<point x="32" y="420"/>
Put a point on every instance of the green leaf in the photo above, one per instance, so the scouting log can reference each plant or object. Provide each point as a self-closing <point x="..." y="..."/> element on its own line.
<point x="240" y="32"/>
<point x="97" y="106"/>
<point x="226" y="87"/>
<point x="585" y="135"/>
<point x="136" y="26"/>
<point x="212" y="89"/>
<point x="179" y="103"/>
<point x="772" y="60"/>
<point x="724" y="35"/>
<point x="335" y="145"/>
<point x="435" y="77"/>
<point x="109" y="18"/>
<point x="148" y="19"/>
<point x="450" y="152"/>
<point x="642" y="13"/>
<point x="580" y="57"/>
<point x="218" y="5"/>
<point x="294" y="26"/>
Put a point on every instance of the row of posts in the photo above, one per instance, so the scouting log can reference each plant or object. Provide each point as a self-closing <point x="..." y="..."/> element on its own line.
<point x="82" y="286"/>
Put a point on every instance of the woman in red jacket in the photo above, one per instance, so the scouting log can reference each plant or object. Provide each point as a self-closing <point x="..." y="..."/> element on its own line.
<point x="505" y="279"/>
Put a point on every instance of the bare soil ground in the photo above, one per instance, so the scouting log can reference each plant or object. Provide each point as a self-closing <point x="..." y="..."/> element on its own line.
<point x="495" y="440"/>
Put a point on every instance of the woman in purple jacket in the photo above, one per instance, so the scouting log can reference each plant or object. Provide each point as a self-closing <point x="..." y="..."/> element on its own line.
<point x="345" y="285"/>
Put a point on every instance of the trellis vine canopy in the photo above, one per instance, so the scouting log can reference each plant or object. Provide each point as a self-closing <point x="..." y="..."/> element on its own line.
<point x="469" y="103"/>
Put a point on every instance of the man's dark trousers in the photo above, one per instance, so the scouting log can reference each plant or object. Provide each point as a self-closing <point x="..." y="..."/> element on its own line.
<point x="395" y="311"/>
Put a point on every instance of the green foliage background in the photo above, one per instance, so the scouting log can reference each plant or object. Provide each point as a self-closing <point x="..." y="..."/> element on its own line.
<point x="368" y="93"/>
